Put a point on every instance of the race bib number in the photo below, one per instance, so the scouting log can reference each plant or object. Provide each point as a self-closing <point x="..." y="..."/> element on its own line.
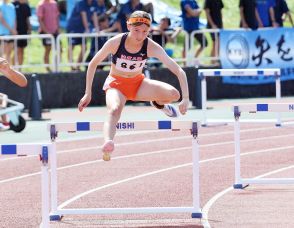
<point x="129" y="66"/>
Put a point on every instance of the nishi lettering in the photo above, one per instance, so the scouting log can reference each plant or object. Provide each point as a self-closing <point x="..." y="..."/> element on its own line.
<point x="125" y="125"/>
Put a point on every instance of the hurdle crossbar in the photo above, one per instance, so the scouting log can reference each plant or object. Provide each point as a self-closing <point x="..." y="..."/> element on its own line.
<point x="192" y="127"/>
<point x="122" y="126"/>
<point x="43" y="150"/>
<point x="203" y="73"/>
<point x="255" y="108"/>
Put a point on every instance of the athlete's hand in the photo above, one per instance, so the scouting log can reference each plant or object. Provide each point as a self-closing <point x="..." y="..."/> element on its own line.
<point x="84" y="102"/>
<point x="183" y="106"/>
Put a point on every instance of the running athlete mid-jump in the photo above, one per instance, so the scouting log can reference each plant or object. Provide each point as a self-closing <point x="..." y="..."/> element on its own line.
<point x="126" y="81"/>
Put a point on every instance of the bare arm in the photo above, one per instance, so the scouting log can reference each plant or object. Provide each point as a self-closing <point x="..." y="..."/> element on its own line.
<point x="42" y="25"/>
<point x="4" y="23"/>
<point x="97" y="59"/>
<point x="29" y="26"/>
<point x="209" y="19"/>
<point x="288" y="14"/>
<point x="95" y="22"/>
<point x="115" y="27"/>
<point x="109" y="47"/>
<point x="272" y="17"/>
<point x="175" y="33"/>
<point x="13" y="75"/>
<point x="260" y="25"/>
<point x="85" y="21"/>
<point x="243" y="21"/>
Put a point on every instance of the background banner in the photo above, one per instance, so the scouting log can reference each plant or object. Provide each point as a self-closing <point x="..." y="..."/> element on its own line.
<point x="265" y="48"/>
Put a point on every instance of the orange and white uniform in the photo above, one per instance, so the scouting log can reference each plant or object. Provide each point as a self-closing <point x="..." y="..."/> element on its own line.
<point x="127" y="62"/>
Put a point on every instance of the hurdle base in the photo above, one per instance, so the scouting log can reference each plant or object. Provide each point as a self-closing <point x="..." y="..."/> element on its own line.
<point x="278" y="125"/>
<point x="240" y="186"/>
<point x="216" y="122"/>
<point x="55" y="217"/>
<point x="196" y="215"/>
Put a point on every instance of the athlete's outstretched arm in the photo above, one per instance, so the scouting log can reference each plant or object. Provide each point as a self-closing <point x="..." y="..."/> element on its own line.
<point x="156" y="51"/>
<point x="107" y="49"/>
<point x="13" y="75"/>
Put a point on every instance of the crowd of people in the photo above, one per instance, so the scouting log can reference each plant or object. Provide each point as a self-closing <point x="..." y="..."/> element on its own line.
<point x="254" y="14"/>
<point x="103" y="16"/>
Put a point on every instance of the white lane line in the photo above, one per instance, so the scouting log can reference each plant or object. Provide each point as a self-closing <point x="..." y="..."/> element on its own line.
<point x="209" y="204"/>
<point x="277" y="149"/>
<point x="159" y="140"/>
<point x="121" y="182"/>
<point x="168" y="169"/>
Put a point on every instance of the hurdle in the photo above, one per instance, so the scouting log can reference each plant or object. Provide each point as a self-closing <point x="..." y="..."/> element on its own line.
<point x="43" y="151"/>
<point x="57" y="212"/>
<point x="240" y="182"/>
<point x="203" y="73"/>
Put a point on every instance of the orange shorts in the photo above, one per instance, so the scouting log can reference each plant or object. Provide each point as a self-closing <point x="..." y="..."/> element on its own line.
<point x="127" y="86"/>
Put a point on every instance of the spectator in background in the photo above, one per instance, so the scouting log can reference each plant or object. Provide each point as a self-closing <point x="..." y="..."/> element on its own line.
<point x="190" y="13"/>
<point x="48" y="16"/>
<point x="213" y="10"/>
<point x="282" y="12"/>
<point x="23" y="26"/>
<point x="101" y="8"/>
<point x="120" y="24"/>
<point x="163" y="34"/>
<point x="249" y="15"/>
<point x="62" y="6"/>
<point x="148" y="7"/>
<point x="82" y="20"/>
<point x="110" y="8"/>
<point x="97" y="43"/>
<point x="266" y="13"/>
<point x="7" y="27"/>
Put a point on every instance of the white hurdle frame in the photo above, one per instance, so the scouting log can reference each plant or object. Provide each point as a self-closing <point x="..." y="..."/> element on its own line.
<point x="43" y="151"/>
<point x="240" y="182"/>
<point x="203" y="73"/>
<point x="54" y="128"/>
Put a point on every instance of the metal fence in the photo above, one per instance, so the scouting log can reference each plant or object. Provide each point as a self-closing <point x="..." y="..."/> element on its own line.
<point x="63" y="55"/>
<point x="34" y="44"/>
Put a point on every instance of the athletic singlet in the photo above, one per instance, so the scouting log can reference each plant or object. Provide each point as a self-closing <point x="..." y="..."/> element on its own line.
<point x="129" y="62"/>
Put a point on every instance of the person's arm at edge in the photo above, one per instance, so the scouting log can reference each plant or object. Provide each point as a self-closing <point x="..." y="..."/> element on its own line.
<point x="11" y="74"/>
<point x="155" y="50"/>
